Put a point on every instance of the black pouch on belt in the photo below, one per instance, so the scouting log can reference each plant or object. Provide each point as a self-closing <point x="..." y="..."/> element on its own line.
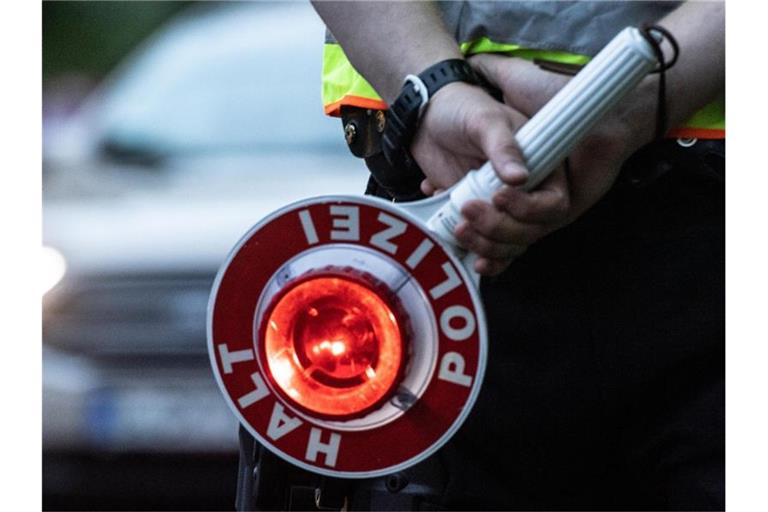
<point x="362" y="131"/>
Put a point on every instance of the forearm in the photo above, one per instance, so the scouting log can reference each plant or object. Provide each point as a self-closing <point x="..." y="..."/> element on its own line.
<point x="386" y="41"/>
<point x="699" y="75"/>
<point x="695" y="80"/>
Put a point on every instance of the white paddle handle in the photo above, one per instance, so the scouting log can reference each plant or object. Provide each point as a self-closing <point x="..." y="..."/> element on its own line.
<point x="549" y="136"/>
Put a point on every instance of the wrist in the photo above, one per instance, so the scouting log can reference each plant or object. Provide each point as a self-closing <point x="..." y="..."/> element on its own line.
<point x="404" y="114"/>
<point x="414" y="63"/>
<point x="451" y="91"/>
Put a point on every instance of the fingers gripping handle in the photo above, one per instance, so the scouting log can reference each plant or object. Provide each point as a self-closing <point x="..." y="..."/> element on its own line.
<point x="547" y="138"/>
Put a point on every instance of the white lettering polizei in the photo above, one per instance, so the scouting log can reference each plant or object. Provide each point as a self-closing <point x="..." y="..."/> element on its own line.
<point x="346" y="223"/>
<point x="452" y="281"/>
<point x="452" y="369"/>
<point x="466" y="317"/>
<point x="280" y="423"/>
<point x="257" y="394"/>
<point x="308" y="226"/>
<point x="381" y="239"/>
<point x="315" y="446"/>
<point x="229" y="358"/>
<point x="418" y="254"/>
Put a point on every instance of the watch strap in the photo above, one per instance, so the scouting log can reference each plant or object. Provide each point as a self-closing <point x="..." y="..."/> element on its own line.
<point x="405" y="112"/>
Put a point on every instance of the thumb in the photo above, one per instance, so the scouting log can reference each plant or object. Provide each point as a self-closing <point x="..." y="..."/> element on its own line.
<point x="498" y="140"/>
<point x="498" y="143"/>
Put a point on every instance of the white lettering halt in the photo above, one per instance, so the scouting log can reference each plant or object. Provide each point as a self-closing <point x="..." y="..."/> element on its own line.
<point x="316" y="446"/>
<point x="280" y="423"/>
<point x="229" y="358"/>
<point x="257" y="394"/>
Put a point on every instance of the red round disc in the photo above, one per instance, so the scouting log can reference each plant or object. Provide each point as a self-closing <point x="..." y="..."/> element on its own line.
<point x="269" y="379"/>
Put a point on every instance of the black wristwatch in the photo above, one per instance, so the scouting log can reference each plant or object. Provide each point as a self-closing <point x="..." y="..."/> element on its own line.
<point x="404" y="114"/>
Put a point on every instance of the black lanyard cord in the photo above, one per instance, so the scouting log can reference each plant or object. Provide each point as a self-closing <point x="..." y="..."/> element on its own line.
<point x="650" y="32"/>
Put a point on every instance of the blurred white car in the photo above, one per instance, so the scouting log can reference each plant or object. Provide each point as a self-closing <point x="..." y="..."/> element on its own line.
<point x="213" y="123"/>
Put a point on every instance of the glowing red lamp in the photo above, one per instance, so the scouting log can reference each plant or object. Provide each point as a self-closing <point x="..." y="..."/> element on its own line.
<point x="333" y="346"/>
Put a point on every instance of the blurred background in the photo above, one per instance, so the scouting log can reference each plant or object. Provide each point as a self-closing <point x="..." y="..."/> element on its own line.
<point x="169" y="128"/>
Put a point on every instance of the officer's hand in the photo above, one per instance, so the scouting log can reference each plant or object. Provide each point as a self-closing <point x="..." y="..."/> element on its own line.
<point x="501" y="231"/>
<point x="462" y="129"/>
<point x="594" y="164"/>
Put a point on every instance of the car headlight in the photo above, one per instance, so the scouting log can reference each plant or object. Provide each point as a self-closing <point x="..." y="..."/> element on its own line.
<point x="53" y="268"/>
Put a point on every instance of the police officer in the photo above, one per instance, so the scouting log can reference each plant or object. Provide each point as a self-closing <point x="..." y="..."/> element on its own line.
<point x="605" y="382"/>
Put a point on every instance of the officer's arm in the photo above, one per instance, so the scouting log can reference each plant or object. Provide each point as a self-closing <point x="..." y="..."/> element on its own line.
<point x="386" y="41"/>
<point x="696" y="79"/>
<point x="699" y="75"/>
<point x="462" y="127"/>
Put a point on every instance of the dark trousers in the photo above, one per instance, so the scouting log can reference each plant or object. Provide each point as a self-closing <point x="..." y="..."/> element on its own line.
<point x="605" y="382"/>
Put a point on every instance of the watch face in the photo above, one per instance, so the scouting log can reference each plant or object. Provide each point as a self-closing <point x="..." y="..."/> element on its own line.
<point x="346" y="337"/>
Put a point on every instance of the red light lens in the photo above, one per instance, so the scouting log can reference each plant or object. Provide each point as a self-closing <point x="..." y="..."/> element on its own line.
<point x="333" y="346"/>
